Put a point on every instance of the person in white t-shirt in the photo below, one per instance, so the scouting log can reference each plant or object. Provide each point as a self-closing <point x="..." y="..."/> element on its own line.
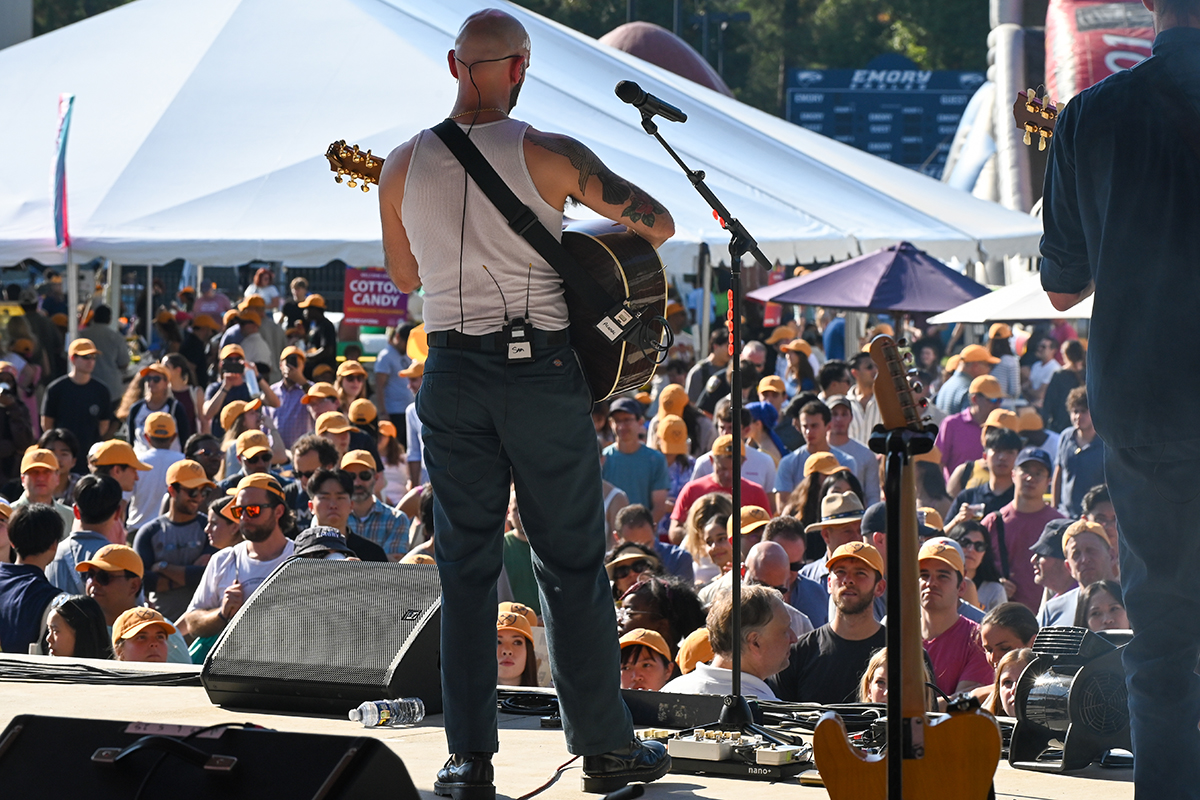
<point x="264" y="286"/>
<point x="757" y="468"/>
<point x="766" y="645"/>
<point x="150" y="488"/>
<point x="1042" y="370"/>
<point x="235" y="573"/>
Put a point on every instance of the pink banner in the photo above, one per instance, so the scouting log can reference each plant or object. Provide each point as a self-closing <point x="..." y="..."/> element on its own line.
<point x="372" y="299"/>
<point x="1088" y="41"/>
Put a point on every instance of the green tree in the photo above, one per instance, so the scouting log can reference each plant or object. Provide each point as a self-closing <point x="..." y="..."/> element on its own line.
<point x="49" y="15"/>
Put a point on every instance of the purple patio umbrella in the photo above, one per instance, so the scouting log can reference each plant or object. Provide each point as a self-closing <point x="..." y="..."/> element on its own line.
<point x="899" y="278"/>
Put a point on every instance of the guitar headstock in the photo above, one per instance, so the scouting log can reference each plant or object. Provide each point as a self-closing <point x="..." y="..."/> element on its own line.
<point x="359" y="166"/>
<point x="898" y="406"/>
<point x="1036" y="116"/>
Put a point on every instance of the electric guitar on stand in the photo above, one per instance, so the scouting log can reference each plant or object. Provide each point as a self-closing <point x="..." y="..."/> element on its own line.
<point x="625" y="265"/>
<point x="928" y="755"/>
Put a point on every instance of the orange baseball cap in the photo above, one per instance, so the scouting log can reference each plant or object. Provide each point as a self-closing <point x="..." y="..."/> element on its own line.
<point x="187" y="473"/>
<point x="782" y="332"/>
<point x="232" y="350"/>
<point x="514" y="622"/>
<point x="999" y="330"/>
<point x="522" y="609"/>
<point x="387" y="428"/>
<point x="157" y="369"/>
<point x="115" y="452"/>
<point x="798" y="346"/>
<point x="414" y="370"/>
<point x="363" y="411"/>
<point x="696" y="649"/>
<point x="824" y="463"/>
<point x="23" y="346"/>
<point x="333" y="422"/>
<point x="941" y="551"/>
<point x="82" y="347"/>
<point x="672" y="400"/>
<point x="38" y="458"/>
<point x="205" y="321"/>
<point x="235" y="409"/>
<point x="860" y="550"/>
<point x="312" y="301"/>
<point x="253" y="301"/>
<point x="1085" y="526"/>
<point x="251" y="443"/>
<point x="723" y="446"/>
<point x="751" y="519"/>
<point x="672" y="436"/>
<point x="977" y="352"/>
<point x="350" y="368"/>
<point x="647" y="638"/>
<point x="358" y="458"/>
<point x="319" y="391"/>
<point x="259" y="480"/>
<point x="251" y="316"/>
<point x="418" y="344"/>
<point x="133" y="621"/>
<point x="113" y="558"/>
<point x="772" y="383"/>
<point x="292" y="350"/>
<point x="987" y="386"/>
<point x="160" y="425"/>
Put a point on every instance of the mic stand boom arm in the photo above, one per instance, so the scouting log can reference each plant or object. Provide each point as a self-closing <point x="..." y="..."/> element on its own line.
<point x="735" y="712"/>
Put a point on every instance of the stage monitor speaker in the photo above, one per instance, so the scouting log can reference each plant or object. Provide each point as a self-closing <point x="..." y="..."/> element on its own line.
<point x="323" y="636"/>
<point x="110" y="760"/>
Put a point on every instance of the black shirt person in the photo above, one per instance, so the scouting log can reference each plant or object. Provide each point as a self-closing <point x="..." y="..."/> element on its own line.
<point x="1120" y="217"/>
<point x="76" y="401"/>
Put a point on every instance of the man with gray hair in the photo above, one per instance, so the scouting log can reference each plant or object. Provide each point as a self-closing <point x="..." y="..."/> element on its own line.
<point x="484" y="429"/>
<point x="767" y="640"/>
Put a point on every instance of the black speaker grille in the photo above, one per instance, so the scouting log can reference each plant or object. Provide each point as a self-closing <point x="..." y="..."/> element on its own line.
<point x="307" y="622"/>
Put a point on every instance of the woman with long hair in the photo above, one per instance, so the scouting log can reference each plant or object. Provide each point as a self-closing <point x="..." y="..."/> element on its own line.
<point x="516" y="663"/>
<point x="76" y="628"/>
<point x="1003" y="698"/>
<point x="184" y="388"/>
<point x="263" y="285"/>
<point x="395" y="466"/>
<point x="978" y="564"/>
<point x="1101" y="607"/>
<point x="149" y="392"/>
<point x="351" y="384"/>
<point x="799" y="375"/>
<point x="672" y="442"/>
<point x="706" y="536"/>
<point x="1008" y="371"/>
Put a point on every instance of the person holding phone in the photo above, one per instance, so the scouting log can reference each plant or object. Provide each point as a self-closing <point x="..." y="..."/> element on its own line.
<point x="238" y="381"/>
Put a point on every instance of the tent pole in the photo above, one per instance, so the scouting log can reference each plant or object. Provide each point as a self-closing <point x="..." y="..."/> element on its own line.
<point x="149" y="304"/>
<point x="72" y="296"/>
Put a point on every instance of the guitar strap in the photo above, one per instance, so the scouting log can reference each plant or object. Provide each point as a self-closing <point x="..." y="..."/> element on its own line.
<point x="1002" y="545"/>
<point x="617" y="319"/>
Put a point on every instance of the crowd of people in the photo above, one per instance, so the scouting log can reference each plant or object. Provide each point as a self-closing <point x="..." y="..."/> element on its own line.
<point x="152" y="483"/>
<point x="158" y="504"/>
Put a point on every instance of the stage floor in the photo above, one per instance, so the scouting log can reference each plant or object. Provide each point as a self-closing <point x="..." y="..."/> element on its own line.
<point x="528" y="754"/>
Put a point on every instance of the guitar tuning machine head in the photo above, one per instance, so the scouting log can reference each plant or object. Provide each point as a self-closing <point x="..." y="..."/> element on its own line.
<point x="366" y="187"/>
<point x="916" y="386"/>
<point x="337" y="178"/>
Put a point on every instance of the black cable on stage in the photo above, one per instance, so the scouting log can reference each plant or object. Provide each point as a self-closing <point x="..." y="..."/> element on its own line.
<point x="23" y="672"/>
<point x="534" y="704"/>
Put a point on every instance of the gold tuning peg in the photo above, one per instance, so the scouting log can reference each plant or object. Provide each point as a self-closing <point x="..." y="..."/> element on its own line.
<point x="366" y="187"/>
<point x="337" y="178"/>
<point x="352" y="183"/>
<point x="1026" y="139"/>
<point x="1042" y="142"/>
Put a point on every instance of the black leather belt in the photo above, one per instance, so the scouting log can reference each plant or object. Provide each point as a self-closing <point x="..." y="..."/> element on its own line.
<point x="494" y="342"/>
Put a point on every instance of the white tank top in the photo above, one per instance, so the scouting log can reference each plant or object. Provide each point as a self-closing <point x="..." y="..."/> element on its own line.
<point x="432" y="212"/>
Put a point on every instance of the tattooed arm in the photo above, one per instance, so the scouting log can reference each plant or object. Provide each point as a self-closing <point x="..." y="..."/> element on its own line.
<point x="563" y="168"/>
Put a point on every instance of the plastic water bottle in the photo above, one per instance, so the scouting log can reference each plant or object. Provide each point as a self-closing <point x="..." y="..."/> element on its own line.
<point x="389" y="713"/>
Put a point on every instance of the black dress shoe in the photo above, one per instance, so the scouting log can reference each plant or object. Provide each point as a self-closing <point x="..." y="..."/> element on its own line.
<point x="640" y="762"/>
<point x="466" y="776"/>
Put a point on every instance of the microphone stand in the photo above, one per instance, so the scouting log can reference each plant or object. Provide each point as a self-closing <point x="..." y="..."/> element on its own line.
<point x="735" y="711"/>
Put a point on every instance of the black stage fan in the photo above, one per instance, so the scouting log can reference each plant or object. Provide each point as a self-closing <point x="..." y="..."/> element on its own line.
<point x="1071" y="701"/>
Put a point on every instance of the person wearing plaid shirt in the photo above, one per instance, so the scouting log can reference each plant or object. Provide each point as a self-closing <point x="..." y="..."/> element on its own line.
<point x="291" y="418"/>
<point x="369" y="517"/>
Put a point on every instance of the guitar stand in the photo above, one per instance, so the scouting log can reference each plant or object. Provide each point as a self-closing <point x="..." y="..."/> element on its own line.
<point x="735" y="712"/>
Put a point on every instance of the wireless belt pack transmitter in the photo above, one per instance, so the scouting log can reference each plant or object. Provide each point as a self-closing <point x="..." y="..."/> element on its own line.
<point x="519" y="341"/>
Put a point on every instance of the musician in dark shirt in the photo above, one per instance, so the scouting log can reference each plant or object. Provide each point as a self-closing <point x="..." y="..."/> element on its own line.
<point x="1120" y="216"/>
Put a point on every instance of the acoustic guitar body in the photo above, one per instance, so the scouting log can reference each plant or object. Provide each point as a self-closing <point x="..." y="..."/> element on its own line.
<point x="627" y="266"/>
<point x="962" y="751"/>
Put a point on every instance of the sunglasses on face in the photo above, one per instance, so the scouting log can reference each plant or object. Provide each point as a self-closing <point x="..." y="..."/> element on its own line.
<point x="351" y="378"/>
<point x="154" y="379"/>
<point x="104" y="578"/>
<point x="366" y="476"/>
<point x="304" y="475"/>
<point x="249" y="512"/>
<point x="978" y="547"/>
<point x="261" y="458"/>
<point x="88" y="357"/>
<point x="638" y="567"/>
<point x="756" y="582"/>
<point x="795" y="566"/>
<point x="192" y="493"/>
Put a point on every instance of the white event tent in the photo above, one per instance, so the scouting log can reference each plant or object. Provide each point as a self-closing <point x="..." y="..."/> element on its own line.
<point x="1023" y="300"/>
<point x="200" y="126"/>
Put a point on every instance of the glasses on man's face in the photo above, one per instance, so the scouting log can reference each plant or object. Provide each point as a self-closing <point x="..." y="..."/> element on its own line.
<point x="103" y="577"/>
<point x="637" y="567"/>
<point x="88" y="357"/>
<point x="366" y="476"/>
<point x="795" y="566"/>
<point x="261" y="458"/>
<point x="249" y="512"/>
<point x="304" y="475"/>
<point x="757" y="582"/>
<point x="355" y="378"/>
<point x="968" y="544"/>
<point x="192" y="493"/>
<point x="154" y="379"/>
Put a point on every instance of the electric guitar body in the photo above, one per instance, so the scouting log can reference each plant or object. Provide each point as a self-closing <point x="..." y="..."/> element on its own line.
<point x="942" y="755"/>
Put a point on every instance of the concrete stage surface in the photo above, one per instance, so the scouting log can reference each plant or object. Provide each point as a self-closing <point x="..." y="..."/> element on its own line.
<point x="528" y="755"/>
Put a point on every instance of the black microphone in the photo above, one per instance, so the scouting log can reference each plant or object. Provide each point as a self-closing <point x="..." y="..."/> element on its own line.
<point x="633" y="94"/>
